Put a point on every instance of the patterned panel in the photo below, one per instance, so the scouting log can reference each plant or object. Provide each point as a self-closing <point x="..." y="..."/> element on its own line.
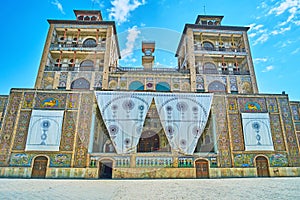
<point x="3" y="102"/>
<point x="232" y="105"/>
<point x="85" y="75"/>
<point x="252" y="105"/>
<point x="272" y="105"/>
<point x="199" y="83"/>
<point x="47" y="81"/>
<point x="278" y="160"/>
<point x="236" y="132"/>
<point x="295" y="111"/>
<point x="73" y="101"/>
<point x="25" y="160"/>
<point x="222" y="131"/>
<point x="276" y="130"/>
<point x="286" y="115"/>
<point x="84" y="129"/>
<point x="22" y="130"/>
<point x="246" y="85"/>
<point x="63" y="79"/>
<point x="233" y="84"/>
<point x="243" y="160"/>
<point x="8" y="126"/>
<point x="67" y="139"/>
<point x="28" y="100"/>
<point x="60" y="160"/>
<point x="98" y="80"/>
<point x="123" y="83"/>
<point x="50" y="100"/>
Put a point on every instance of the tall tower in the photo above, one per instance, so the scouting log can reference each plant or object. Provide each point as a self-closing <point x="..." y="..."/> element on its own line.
<point x="218" y="57"/>
<point x="78" y="54"/>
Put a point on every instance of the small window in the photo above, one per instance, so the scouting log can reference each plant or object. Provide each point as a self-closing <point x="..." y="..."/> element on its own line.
<point x="208" y="46"/>
<point x="80" y="18"/>
<point x="93" y="18"/>
<point x="89" y="43"/>
<point x="86" y="18"/>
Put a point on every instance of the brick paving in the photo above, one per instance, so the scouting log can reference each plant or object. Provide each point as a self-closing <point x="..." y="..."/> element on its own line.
<point x="235" y="188"/>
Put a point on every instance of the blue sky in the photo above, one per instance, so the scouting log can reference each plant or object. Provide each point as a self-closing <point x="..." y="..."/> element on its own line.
<point x="274" y="35"/>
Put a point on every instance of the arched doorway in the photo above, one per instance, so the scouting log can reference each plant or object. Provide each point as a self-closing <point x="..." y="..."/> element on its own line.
<point x="105" y="169"/>
<point x="163" y="87"/>
<point x="39" y="167"/>
<point x="149" y="142"/>
<point x="202" y="168"/>
<point x="262" y="166"/>
<point x="80" y="83"/>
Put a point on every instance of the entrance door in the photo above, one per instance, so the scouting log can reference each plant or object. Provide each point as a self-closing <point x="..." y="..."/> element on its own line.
<point x="202" y="169"/>
<point x="39" y="167"/>
<point x="105" y="169"/>
<point x="262" y="166"/>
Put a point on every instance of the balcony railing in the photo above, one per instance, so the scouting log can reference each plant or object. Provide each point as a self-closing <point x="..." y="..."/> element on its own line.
<point x="100" y="46"/>
<point x="76" y="69"/>
<point x="223" y="49"/>
<point x="139" y="69"/>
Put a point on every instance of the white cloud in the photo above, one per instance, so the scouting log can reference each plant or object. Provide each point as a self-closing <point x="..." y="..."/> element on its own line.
<point x="262" y="39"/>
<point x="259" y="60"/>
<point x="58" y="5"/>
<point x="133" y="34"/>
<point x="251" y="35"/>
<point x="268" y="68"/>
<point x="285" y="5"/>
<point x="258" y="27"/>
<point x="296" y="51"/>
<point x="100" y="4"/>
<point x="121" y="9"/>
<point x="281" y="30"/>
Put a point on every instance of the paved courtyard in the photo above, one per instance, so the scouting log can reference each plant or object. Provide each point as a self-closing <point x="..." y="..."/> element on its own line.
<point x="242" y="188"/>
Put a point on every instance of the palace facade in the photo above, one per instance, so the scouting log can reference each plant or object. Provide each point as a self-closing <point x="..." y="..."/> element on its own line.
<point x="87" y="117"/>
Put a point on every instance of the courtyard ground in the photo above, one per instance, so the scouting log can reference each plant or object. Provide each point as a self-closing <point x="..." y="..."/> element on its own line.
<point x="235" y="188"/>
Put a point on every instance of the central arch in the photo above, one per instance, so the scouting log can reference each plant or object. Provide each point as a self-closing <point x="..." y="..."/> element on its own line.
<point x="149" y="142"/>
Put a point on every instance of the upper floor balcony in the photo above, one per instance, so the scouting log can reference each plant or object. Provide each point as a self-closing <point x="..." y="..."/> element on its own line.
<point x="220" y="50"/>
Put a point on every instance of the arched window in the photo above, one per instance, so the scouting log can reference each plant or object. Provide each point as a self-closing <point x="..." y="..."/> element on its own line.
<point x="136" y="85"/>
<point x="90" y="42"/>
<point x="210" y="68"/>
<point x="80" y="17"/>
<point x="163" y="87"/>
<point x="216" y="86"/>
<point x="93" y="18"/>
<point x="208" y="46"/>
<point x="86" y="18"/>
<point x="86" y="65"/>
<point x="80" y="83"/>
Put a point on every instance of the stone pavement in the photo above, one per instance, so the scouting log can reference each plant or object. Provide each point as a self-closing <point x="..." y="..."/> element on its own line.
<point x="235" y="188"/>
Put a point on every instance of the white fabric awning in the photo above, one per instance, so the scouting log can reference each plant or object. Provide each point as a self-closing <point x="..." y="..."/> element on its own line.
<point x="183" y="117"/>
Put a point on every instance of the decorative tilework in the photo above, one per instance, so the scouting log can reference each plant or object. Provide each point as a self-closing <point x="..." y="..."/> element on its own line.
<point x="246" y="85"/>
<point x="69" y="127"/>
<point x="98" y="80"/>
<point x="272" y="105"/>
<point x="243" y="160"/>
<point x="63" y="79"/>
<point x="219" y="109"/>
<point x="22" y="130"/>
<point x="252" y="105"/>
<point x="295" y="111"/>
<point x="73" y="101"/>
<point x="83" y="129"/>
<point x="232" y="105"/>
<point x="8" y="126"/>
<point x="25" y="160"/>
<point x="199" y="83"/>
<point x="50" y="100"/>
<point x="233" y="84"/>
<point x="3" y="102"/>
<point x="28" y="100"/>
<point x="278" y="160"/>
<point x="60" y="160"/>
<point x="236" y="132"/>
<point x="277" y="133"/>
<point x="294" y="159"/>
<point x="85" y="75"/>
<point x="47" y="81"/>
